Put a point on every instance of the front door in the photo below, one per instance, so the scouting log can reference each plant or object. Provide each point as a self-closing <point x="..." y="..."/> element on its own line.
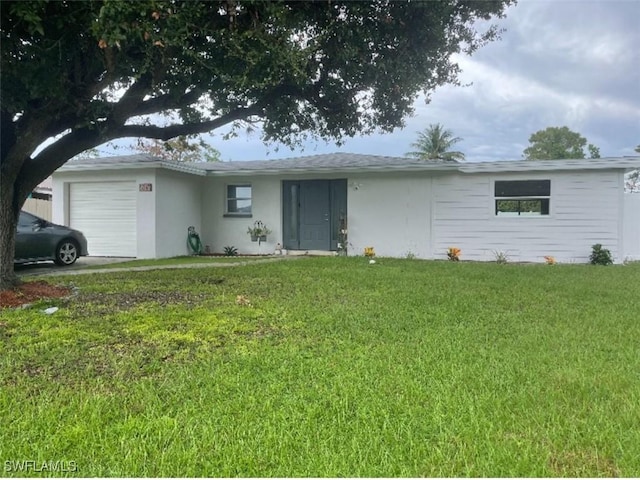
<point x="313" y="210"/>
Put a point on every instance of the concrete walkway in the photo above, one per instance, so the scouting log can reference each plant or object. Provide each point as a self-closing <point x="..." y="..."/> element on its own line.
<point x="50" y="270"/>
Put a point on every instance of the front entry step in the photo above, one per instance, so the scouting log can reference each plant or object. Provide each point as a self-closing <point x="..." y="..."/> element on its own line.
<point x="312" y="253"/>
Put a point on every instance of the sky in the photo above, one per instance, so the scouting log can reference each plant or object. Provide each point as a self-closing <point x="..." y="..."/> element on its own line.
<point x="573" y="63"/>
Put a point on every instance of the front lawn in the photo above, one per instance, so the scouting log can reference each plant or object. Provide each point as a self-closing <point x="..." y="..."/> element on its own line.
<point x="328" y="367"/>
<point x="183" y="260"/>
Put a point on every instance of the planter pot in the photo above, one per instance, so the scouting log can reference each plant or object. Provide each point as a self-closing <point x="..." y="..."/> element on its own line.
<point x="254" y="238"/>
<point x="261" y="238"/>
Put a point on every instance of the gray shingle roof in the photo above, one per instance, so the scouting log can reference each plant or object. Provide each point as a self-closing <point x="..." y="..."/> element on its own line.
<point x="313" y="163"/>
<point x="344" y="162"/>
<point x="118" y="159"/>
<point x="325" y="162"/>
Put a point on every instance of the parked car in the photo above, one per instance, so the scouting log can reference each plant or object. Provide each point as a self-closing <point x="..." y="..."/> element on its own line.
<point x="38" y="240"/>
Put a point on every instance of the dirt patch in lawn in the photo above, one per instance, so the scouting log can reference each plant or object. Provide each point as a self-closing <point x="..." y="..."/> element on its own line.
<point x="124" y="301"/>
<point x="583" y="464"/>
<point x="29" y="292"/>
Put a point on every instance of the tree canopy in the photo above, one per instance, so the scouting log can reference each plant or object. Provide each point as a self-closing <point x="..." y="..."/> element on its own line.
<point x="557" y="143"/>
<point x="87" y="72"/>
<point x="435" y="143"/>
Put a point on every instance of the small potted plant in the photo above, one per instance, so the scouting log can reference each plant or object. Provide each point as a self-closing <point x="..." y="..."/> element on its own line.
<point x="258" y="232"/>
<point x="454" y="254"/>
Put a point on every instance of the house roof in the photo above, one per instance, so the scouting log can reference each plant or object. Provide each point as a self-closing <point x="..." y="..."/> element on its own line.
<point x="347" y="162"/>
<point x="332" y="162"/>
<point x="125" y="162"/>
<point x="616" y="163"/>
<point x="45" y="187"/>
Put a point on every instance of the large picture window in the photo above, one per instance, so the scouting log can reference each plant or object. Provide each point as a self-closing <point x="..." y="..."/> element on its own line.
<point x="238" y="200"/>
<point x="522" y="198"/>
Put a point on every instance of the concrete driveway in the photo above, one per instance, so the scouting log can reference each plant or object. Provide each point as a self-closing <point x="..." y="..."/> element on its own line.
<point x="79" y="268"/>
<point x="51" y="268"/>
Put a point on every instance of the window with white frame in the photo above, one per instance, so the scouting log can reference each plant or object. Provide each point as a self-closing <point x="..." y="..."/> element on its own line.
<point x="238" y="201"/>
<point x="522" y="198"/>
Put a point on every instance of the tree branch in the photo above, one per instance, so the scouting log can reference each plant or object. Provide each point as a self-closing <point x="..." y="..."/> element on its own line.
<point x="108" y="75"/>
<point x="7" y="133"/>
<point x="130" y="100"/>
<point x="172" y="131"/>
<point x="26" y="139"/>
<point x="36" y="169"/>
<point x="58" y="153"/>
<point x="167" y="102"/>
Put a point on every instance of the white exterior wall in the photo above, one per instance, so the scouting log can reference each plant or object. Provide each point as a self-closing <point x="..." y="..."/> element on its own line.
<point x="585" y="208"/>
<point x="398" y="214"/>
<point x="145" y="202"/>
<point x="631" y="235"/>
<point x="219" y="231"/>
<point x="178" y="206"/>
<point x="391" y="213"/>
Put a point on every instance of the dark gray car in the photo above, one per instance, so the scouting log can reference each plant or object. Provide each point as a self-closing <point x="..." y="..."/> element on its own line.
<point x="38" y="240"/>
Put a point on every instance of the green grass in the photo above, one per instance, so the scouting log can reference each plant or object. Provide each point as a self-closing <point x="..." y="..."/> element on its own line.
<point x="330" y="367"/>
<point x="190" y="259"/>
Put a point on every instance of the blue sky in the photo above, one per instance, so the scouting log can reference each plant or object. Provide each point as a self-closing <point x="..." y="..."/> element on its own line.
<point x="560" y="62"/>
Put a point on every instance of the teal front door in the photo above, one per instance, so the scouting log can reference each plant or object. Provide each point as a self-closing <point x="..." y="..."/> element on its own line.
<point x="312" y="213"/>
<point x="315" y="210"/>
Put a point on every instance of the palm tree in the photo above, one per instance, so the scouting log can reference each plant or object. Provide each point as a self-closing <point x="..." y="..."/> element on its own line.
<point x="434" y="144"/>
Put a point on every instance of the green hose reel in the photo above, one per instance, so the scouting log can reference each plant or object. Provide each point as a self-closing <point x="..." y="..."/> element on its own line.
<point x="194" y="241"/>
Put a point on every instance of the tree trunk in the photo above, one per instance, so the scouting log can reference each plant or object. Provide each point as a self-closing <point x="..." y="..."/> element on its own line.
<point x="9" y="212"/>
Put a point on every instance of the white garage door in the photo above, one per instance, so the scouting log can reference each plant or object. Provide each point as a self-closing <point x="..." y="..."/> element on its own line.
<point x="106" y="214"/>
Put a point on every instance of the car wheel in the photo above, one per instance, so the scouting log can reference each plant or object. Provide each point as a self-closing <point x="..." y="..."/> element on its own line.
<point x="67" y="252"/>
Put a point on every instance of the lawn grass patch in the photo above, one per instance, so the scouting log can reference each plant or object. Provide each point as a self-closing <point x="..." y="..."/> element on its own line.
<point x="182" y="260"/>
<point x="330" y="367"/>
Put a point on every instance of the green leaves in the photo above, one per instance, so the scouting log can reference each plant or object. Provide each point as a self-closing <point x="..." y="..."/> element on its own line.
<point x="29" y="16"/>
<point x="330" y="69"/>
<point x="554" y="143"/>
<point x="435" y="143"/>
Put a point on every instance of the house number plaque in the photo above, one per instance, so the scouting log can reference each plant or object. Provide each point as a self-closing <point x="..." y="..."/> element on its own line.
<point x="145" y="187"/>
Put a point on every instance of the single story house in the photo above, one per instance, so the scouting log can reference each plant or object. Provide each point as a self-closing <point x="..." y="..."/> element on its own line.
<point x="141" y="206"/>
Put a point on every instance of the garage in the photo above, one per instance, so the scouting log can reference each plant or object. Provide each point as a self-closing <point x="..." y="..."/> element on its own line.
<point x="106" y="214"/>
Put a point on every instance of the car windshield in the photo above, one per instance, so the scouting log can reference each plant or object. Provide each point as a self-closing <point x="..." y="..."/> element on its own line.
<point x="26" y="219"/>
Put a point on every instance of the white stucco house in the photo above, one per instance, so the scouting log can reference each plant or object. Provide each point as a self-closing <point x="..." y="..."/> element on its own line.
<point x="140" y="206"/>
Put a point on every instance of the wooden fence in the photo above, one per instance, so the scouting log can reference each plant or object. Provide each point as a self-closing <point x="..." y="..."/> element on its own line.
<point x="40" y="208"/>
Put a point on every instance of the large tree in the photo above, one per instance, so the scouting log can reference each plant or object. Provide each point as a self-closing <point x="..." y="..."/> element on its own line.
<point x="84" y="73"/>
<point x="557" y="143"/>
<point x="435" y="143"/>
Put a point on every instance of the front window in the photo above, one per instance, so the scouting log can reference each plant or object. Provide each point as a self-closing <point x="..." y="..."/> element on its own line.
<point x="238" y="200"/>
<point x="522" y="198"/>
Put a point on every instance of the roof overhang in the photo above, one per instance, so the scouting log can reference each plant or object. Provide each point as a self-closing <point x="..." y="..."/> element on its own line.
<point x="133" y="165"/>
<point x="349" y="163"/>
<point x="330" y="170"/>
<point x="617" y="163"/>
